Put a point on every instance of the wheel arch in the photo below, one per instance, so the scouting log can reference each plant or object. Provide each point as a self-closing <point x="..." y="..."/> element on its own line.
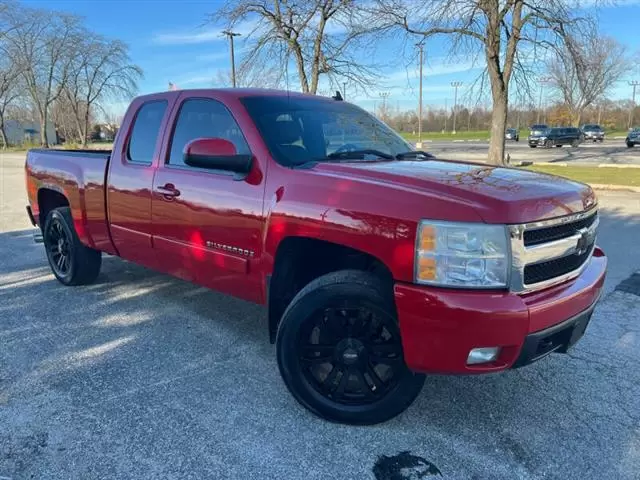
<point x="299" y="260"/>
<point x="49" y="199"/>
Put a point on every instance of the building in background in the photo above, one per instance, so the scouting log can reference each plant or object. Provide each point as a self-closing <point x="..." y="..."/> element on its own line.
<point x="19" y="133"/>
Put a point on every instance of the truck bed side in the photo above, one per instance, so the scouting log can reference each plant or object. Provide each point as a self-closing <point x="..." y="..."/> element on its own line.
<point x="76" y="178"/>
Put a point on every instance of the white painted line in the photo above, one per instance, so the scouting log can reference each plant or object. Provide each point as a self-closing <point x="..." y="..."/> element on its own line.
<point x="617" y="165"/>
<point x="459" y="141"/>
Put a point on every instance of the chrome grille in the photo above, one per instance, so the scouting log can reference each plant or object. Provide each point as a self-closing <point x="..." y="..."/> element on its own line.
<point x="552" y="251"/>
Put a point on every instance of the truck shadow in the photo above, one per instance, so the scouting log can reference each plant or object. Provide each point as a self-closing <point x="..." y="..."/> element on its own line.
<point x="137" y="345"/>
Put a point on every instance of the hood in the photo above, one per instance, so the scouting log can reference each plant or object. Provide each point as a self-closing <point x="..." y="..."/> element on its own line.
<point x="497" y="194"/>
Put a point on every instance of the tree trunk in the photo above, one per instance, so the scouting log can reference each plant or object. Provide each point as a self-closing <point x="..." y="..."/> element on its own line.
<point x="44" y="140"/>
<point x="85" y="126"/>
<point x="498" y="127"/>
<point x="576" y="118"/>
<point x="304" y="82"/>
<point x="3" y="136"/>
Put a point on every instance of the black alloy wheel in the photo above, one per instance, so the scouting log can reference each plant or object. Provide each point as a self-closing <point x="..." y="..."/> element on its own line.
<point x="340" y="352"/>
<point x="58" y="244"/>
<point x="71" y="262"/>
<point x="351" y="355"/>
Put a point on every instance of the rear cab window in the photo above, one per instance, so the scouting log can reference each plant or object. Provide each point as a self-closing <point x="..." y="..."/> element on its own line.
<point x="145" y="131"/>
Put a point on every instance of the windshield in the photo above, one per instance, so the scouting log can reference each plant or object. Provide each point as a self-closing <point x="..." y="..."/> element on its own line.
<point x="541" y="131"/>
<point x="592" y="127"/>
<point x="299" y="129"/>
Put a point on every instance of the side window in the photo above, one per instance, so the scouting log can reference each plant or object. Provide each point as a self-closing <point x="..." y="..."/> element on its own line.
<point x="204" y="118"/>
<point x="146" y="127"/>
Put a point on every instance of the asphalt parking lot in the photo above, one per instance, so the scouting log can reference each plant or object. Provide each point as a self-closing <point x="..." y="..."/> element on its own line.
<point x="144" y="376"/>
<point x="610" y="151"/>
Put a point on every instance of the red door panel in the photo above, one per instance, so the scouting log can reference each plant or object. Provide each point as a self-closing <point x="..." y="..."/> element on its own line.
<point x="207" y="224"/>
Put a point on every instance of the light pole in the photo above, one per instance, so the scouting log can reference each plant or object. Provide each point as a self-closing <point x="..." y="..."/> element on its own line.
<point x="384" y="96"/>
<point x="446" y="115"/>
<point x="420" y="46"/>
<point x="231" y="34"/>
<point x="543" y="81"/>
<point x="344" y="90"/>
<point x="455" y="86"/>
<point x="634" y="84"/>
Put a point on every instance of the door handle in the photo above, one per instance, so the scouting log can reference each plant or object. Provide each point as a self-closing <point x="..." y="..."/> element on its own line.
<point x="168" y="191"/>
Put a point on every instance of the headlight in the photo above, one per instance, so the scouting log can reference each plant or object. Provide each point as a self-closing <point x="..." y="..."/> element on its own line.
<point x="462" y="255"/>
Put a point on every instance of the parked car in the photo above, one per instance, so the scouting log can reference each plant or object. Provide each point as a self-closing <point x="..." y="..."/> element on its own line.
<point x="538" y="128"/>
<point x="633" y="137"/>
<point x="512" y="134"/>
<point x="593" y="132"/>
<point x="556" y="137"/>
<point x="377" y="263"/>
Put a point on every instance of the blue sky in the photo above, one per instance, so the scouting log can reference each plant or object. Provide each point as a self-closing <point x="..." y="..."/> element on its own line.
<point x="170" y="41"/>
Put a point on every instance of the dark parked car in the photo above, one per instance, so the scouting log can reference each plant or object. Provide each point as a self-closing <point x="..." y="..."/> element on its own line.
<point x="512" y="134"/>
<point x="593" y="132"/>
<point x="538" y="129"/>
<point x="633" y="137"/>
<point x="557" y="136"/>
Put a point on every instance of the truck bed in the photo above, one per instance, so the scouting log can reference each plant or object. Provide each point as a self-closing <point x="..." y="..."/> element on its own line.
<point x="79" y="175"/>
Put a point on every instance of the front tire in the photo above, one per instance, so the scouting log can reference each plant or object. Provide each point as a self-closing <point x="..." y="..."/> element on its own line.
<point x="630" y="145"/>
<point x="340" y="353"/>
<point x="71" y="262"/>
<point x="575" y="143"/>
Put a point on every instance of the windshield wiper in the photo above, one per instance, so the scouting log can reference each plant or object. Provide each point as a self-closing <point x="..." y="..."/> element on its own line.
<point x="359" y="155"/>
<point x="414" y="154"/>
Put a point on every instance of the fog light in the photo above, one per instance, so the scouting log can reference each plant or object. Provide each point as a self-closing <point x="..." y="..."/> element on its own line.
<point x="482" y="355"/>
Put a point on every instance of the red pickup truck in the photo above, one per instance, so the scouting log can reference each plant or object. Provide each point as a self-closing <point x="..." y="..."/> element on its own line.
<point x="377" y="262"/>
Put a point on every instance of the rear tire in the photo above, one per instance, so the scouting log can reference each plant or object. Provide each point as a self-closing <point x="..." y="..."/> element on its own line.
<point x="343" y="327"/>
<point x="533" y="146"/>
<point x="558" y="146"/>
<point x="71" y="262"/>
<point x="630" y="145"/>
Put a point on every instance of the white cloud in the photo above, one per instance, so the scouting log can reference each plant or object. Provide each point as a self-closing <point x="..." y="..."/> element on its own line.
<point x="435" y="69"/>
<point x="212" y="57"/>
<point x="187" y="38"/>
<point x="199" y="35"/>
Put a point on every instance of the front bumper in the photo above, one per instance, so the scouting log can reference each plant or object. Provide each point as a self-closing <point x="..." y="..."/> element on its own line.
<point x="594" y="136"/>
<point x="439" y="326"/>
<point x="536" y="141"/>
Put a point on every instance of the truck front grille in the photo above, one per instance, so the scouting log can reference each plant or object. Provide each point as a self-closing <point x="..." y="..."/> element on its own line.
<point x="556" y="232"/>
<point x="541" y="272"/>
<point x="552" y="251"/>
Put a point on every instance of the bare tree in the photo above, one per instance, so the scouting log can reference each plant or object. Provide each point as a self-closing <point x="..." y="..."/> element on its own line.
<point x="101" y="71"/>
<point x="320" y="36"/>
<point x="251" y="75"/>
<point x="43" y="45"/>
<point x="495" y="29"/>
<point x="9" y="93"/>
<point x="584" y="72"/>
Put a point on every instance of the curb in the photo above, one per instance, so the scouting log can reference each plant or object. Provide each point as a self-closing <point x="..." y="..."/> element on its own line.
<point x="567" y="164"/>
<point x="628" y="188"/>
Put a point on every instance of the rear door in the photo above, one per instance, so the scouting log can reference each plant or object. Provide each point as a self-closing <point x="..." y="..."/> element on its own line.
<point x="130" y="178"/>
<point x="209" y="229"/>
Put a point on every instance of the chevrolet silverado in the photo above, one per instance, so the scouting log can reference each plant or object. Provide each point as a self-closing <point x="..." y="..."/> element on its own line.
<point x="377" y="263"/>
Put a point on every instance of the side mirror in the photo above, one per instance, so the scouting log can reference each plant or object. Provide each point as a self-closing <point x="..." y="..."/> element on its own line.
<point x="216" y="154"/>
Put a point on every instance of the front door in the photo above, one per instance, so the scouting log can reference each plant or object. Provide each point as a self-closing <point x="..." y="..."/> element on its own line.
<point x="207" y="224"/>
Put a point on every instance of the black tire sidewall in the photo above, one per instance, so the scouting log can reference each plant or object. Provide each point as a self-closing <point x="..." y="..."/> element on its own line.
<point x="58" y="215"/>
<point x="397" y="400"/>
